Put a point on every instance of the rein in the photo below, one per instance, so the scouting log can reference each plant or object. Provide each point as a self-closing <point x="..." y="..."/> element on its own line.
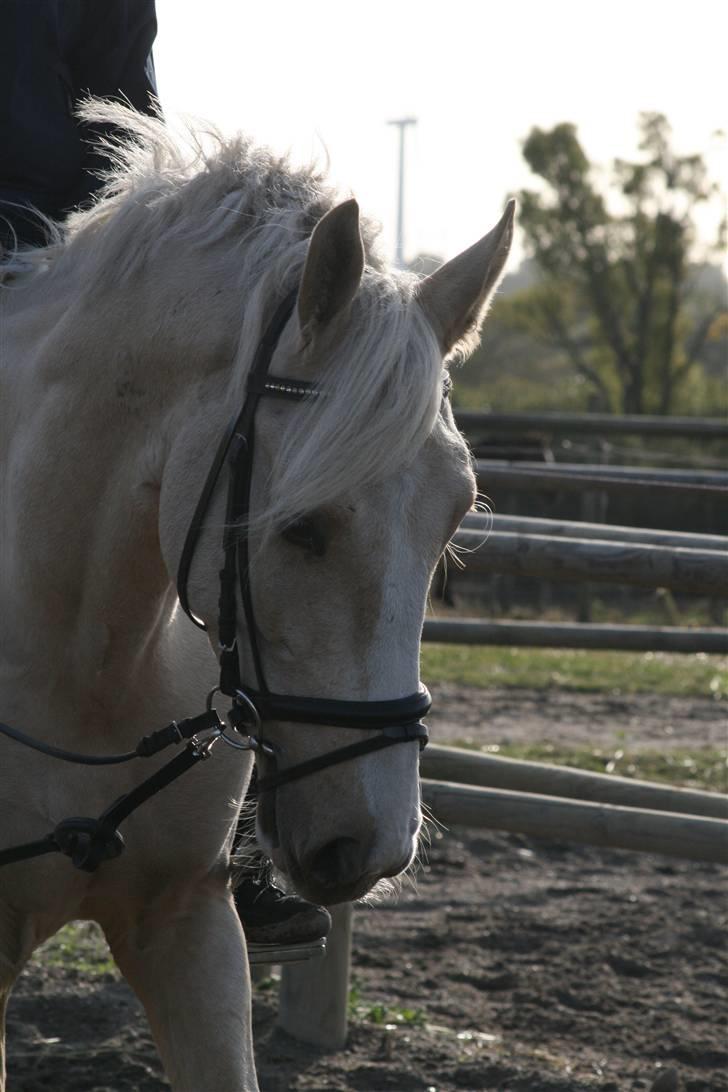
<point x="89" y="841"/>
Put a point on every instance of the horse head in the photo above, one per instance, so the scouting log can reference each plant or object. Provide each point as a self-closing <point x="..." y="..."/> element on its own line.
<point x="353" y="498"/>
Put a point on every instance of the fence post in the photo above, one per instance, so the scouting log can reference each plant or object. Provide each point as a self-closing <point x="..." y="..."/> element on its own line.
<point x="314" y="996"/>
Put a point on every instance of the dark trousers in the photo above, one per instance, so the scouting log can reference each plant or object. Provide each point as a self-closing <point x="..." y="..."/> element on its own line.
<point x="52" y="53"/>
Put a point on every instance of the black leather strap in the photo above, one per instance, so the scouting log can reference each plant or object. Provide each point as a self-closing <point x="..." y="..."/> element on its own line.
<point x="238" y="425"/>
<point x="27" y="850"/>
<point x="147" y="746"/>
<point x="341" y="714"/>
<point x="387" y="738"/>
<point x="88" y="841"/>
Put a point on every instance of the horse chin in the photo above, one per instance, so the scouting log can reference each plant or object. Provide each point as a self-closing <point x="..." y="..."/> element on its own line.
<point x="327" y="895"/>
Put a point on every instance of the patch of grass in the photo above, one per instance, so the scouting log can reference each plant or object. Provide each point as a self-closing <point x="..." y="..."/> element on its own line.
<point x="694" y="675"/>
<point x="79" y="946"/>
<point x="378" y="1012"/>
<point x="703" y="769"/>
<point x="271" y="982"/>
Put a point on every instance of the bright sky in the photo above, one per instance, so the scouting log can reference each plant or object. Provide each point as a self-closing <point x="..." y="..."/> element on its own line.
<point x="323" y="78"/>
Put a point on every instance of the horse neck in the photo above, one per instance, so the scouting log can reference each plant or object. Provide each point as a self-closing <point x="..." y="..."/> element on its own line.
<point x="84" y="593"/>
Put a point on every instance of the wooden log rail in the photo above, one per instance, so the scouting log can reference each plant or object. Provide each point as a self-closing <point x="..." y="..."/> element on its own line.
<point x="493" y="474"/>
<point x="701" y="572"/>
<point x="606" y="532"/>
<point x="463" y="767"/>
<point x="672" y="474"/>
<point x="593" y="424"/>
<point x="630" y="638"/>
<point x="674" y="835"/>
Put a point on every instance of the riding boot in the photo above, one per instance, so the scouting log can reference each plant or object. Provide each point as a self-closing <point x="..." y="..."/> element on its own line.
<point x="270" y="916"/>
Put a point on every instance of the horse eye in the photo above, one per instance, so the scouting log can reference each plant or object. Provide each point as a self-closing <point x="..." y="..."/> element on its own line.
<point x="305" y="534"/>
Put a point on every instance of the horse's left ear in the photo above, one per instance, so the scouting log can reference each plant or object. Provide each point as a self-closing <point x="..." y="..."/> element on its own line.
<point x="333" y="269"/>
<point x="455" y="297"/>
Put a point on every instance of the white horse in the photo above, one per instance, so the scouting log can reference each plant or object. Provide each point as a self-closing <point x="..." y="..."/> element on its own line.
<point x="124" y="349"/>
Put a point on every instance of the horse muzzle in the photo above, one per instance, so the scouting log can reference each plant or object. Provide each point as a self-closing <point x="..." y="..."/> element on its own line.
<point x="342" y="870"/>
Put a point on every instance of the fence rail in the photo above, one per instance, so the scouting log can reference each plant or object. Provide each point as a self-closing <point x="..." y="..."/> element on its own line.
<point x="465" y="767"/>
<point x="533" y="525"/>
<point x="558" y="476"/>
<point x="701" y="572"/>
<point x="675" y="835"/>
<point x="580" y="635"/>
<point x="599" y="424"/>
<point x="676" y="475"/>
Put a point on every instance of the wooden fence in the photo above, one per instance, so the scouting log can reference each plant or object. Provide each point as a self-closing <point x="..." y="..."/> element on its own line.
<point x="593" y="553"/>
<point x="493" y="793"/>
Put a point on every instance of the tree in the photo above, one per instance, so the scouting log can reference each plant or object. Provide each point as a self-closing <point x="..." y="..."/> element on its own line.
<point x="616" y="292"/>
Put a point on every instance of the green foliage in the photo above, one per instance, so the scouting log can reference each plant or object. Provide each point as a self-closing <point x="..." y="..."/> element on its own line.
<point x="575" y="669"/>
<point x="613" y="303"/>
<point x="379" y="1013"/>
<point x="80" y="947"/>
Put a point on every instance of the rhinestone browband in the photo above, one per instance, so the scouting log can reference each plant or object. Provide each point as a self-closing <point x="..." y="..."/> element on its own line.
<point x="272" y="387"/>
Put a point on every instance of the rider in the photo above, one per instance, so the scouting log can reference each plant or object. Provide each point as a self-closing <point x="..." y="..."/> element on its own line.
<point x="53" y="52"/>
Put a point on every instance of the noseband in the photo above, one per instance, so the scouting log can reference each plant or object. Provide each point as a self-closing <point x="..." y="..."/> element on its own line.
<point x="397" y="721"/>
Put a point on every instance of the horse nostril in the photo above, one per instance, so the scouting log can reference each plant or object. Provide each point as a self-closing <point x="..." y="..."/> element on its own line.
<point x="340" y="862"/>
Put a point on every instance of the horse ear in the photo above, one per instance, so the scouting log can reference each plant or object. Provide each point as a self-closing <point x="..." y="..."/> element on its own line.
<point x="455" y="297"/>
<point x="333" y="269"/>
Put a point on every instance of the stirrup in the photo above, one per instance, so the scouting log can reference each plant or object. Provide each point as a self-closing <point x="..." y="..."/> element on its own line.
<point x="286" y="953"/>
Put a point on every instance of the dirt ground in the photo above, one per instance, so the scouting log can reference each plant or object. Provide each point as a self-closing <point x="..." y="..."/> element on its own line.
<point x="515" y="965"/>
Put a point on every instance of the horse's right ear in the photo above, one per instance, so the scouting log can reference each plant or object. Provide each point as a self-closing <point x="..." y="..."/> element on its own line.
<point x="333" y="269"/>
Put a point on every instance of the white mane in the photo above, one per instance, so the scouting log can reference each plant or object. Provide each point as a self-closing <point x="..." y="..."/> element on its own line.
<point x="382" y="378"/>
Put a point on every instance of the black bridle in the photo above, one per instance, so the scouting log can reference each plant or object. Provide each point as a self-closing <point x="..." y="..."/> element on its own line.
<point x="89" y="841"/>
<point x="398" y="720"/>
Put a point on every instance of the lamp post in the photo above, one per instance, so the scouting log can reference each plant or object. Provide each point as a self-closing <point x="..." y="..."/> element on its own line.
<point x="401" y="124"/>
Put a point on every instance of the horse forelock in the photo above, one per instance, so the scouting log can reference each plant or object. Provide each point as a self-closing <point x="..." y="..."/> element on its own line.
<point x="381" y="379"/>
<point x="381" y="388"/>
